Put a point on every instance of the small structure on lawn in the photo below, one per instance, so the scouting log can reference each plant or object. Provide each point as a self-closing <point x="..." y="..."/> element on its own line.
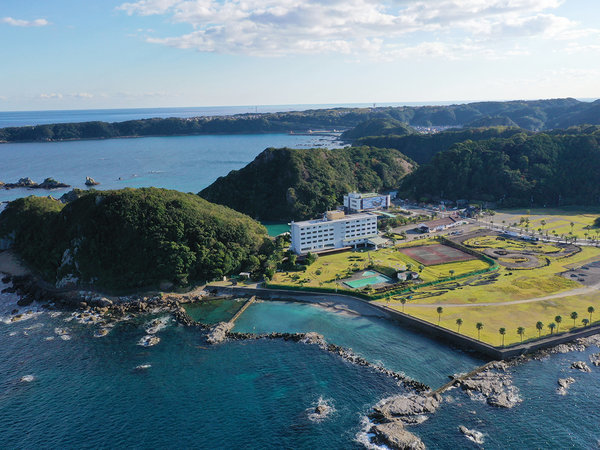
<point x="407" y="275"/>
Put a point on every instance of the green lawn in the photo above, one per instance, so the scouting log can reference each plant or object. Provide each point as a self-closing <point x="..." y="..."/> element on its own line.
<point x="330" y="270"/>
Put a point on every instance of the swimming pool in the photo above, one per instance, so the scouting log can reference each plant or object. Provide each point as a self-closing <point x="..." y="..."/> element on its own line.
<point x="369" y="277"/>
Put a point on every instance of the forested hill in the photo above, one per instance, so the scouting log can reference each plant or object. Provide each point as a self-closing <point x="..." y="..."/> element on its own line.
<point x="422" y="147"/>
<point x="133" y="238"/>
<point x="378" y="127"/>
<point x="530" y="115"/>
<point x="288" y="184"/>
<point x="543" y="169"/>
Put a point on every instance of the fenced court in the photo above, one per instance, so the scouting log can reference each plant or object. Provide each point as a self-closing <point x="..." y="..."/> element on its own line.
<point x="430" y="255"/>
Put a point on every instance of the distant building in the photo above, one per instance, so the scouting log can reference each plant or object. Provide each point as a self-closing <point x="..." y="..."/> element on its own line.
<point x="407" y="275"/>
<point x="439" y="224"/>
<point x="334" y="230"/>
<point x="356" y="202"/>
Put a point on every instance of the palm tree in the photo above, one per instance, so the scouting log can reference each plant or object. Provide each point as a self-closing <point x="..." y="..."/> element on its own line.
<point x="572" y="224"/>
<point x="502" y="332"/>
<point x="585" y="322"/>
<point x="440" y="310"/>
<point x="521" y="332"/>
<point x="539" y="327"/>
<point x="574" y="316"/>
<point x="591" y="311"/>
<point x="403" y="301"/>
<point x="479" y="327"/>
<point x="421" y="267"/>
<point x="558" y="320"/>
<point x="451" y="271"/>
<point x="551" y="326"/>
<point x="459" y="322"/>
<point x="409" y="266"/>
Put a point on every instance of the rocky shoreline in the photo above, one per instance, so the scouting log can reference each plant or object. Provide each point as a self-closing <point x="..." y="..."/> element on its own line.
<point x="92" y="304"/>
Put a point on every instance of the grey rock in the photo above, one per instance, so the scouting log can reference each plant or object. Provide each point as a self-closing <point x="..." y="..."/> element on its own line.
<point x="394" y="435"/>
<point x="89" y="181"/>
<point x="580" y="365"/>
<point x="472" y="435"/>
<point x="408" y="409"/>
<point x="595" y="359"/>
<point x="564" y="384"/>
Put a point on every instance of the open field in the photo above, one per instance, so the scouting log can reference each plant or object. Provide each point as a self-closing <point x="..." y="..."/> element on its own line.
<point x="511" y="317"/>
<point x="512" y="298"/>
<point x="557" y="221"/>
<point x="330" y="270"/>
<point x="508" y="244"/>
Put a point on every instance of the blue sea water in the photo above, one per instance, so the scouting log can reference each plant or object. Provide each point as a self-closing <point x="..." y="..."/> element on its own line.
<point x="86" y="393"/>
<point x="184" y="163"/>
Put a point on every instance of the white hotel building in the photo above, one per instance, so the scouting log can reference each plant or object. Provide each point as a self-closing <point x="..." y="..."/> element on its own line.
<point x="335" y="230"/>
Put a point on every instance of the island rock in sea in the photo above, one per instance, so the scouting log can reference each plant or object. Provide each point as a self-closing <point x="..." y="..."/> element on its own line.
<point x="89" y="181"/>
<point x="48" y="183"/>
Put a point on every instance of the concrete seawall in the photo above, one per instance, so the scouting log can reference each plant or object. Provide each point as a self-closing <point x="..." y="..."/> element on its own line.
<point x="439" y="333"/>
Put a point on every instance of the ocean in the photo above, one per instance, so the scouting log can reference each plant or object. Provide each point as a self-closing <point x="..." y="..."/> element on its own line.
<point x="61" y="387"/>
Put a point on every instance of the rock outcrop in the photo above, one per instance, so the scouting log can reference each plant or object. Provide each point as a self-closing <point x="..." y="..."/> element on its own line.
<point x="472" y="435"/>
<point x="580" y="365"/>
<point x="48" y="183"/>
<point x="394" y="435"/>
<point x="495" y="386"/>
<point x="408" y="409"/>
<point x="595" y="359"/>
<point x="563" y="385"/>
<point x="89" y="181"/>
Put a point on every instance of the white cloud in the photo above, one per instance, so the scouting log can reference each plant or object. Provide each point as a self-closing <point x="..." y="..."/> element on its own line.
<point x="51" y="96"/>
<point x="82" y="95"/>
<point x="381" y="28"/>
<point x="24" y="23"/>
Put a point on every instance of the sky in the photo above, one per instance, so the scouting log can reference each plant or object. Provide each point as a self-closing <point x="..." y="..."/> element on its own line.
<point x="88" y="54"/>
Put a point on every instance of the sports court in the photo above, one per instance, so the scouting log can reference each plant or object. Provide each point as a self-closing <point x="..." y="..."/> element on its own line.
<point x="430" y="255"/>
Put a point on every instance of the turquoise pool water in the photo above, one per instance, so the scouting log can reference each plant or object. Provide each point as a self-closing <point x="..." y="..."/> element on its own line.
<point x="369" y="277"/>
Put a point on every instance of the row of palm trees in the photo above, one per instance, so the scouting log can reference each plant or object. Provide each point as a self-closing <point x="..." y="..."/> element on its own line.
<point x="521" y="330"/>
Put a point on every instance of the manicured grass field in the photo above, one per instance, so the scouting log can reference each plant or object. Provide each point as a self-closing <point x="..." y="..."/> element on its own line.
<point x="506" y="286"/>
<point x="556" y="220"/>
<point x="329" y="269"/>
<point x="518" y="245"/>
<point x="511" y="317"/>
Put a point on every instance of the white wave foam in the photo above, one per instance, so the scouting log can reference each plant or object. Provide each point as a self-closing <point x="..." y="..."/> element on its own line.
<point x="365" y="437"/>
<point x="27" y="379"/>
<point x="157" y="324"/>
<point x="320" y="411"/>
<point x="148" y="341"/>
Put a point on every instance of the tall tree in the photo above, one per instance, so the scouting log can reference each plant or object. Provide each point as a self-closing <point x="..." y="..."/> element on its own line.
<point x="539" y="326"/>
<point x="479" y="326"/>
<point x="558" y="320"/>
<point x="459" y="322"/>
<point x="502" y="332"/>
<point x="439" y="310"/>
<point x="521" y="332"/>
<point x="574" y="316"/>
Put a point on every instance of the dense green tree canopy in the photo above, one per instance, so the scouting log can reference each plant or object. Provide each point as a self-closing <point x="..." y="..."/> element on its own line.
<point x="133" y="238"/>
<point x="530" y="115"/>
<point x="543" y="169"/>
<point x="298" y="184"/>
